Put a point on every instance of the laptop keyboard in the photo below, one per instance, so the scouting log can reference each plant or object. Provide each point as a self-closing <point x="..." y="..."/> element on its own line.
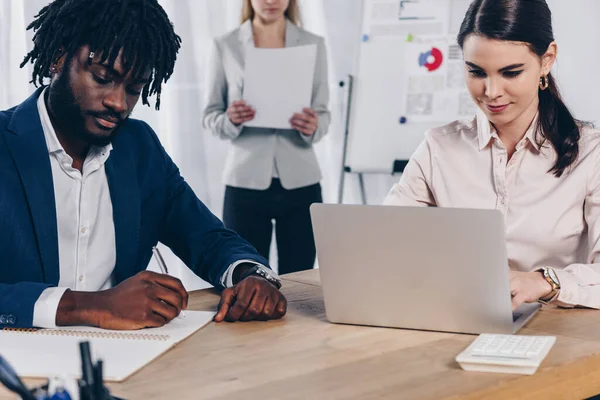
<point x="516" y="316"/>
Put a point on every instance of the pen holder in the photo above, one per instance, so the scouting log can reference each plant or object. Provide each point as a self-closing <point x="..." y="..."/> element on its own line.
<point x="70" y="389"/>
<point x="90" y="387"/>
<point x="62" y="388"/>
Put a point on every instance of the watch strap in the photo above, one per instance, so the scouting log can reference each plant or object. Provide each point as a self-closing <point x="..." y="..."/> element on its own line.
<point x="258" y="270"/>
<point x="555" y="286"/>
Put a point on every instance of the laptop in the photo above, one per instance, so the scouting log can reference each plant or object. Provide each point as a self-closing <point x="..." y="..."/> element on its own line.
<point x="425" y="268"/>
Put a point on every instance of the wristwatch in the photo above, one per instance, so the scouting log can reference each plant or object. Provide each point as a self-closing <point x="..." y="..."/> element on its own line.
<point x="260" y="271"/>
<point x="550" y="277"/>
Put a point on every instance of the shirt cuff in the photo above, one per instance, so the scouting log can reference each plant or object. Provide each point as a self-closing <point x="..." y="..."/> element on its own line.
<point x="232" y="130"/>
<point x="46" y="307"/>
<point x="227" y="278"/>
<point x="567" y="296"/>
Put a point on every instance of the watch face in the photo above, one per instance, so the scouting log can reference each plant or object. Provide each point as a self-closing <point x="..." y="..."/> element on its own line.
<point x="553" y="276"/>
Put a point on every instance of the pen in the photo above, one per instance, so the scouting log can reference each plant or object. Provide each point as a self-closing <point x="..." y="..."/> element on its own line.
<point x="163" y="268"/>
<point x="160" y="260"/>
<point x="87" y="371"/>
<point x="98" y="388"/>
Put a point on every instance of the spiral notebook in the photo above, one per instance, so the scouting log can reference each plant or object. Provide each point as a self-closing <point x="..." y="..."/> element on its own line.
<point x="42" y="353"/>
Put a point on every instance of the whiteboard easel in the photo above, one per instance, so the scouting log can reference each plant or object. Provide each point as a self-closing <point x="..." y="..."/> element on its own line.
<point x="384" y="124"/>
<point x="344" y="169"/>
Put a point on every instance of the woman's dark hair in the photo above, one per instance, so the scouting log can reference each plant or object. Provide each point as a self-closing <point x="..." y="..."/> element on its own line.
<point x="530" y="22"/>
<point x="140" y="28"/>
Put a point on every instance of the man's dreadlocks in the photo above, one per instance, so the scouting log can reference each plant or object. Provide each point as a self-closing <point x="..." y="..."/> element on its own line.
<point x="140" y="27"/>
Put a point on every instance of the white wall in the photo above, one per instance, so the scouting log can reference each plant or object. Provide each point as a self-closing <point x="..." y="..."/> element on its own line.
<point x="577" y="33"/>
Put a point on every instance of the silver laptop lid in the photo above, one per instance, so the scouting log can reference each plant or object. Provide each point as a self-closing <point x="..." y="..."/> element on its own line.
<point x="442" y="269"/>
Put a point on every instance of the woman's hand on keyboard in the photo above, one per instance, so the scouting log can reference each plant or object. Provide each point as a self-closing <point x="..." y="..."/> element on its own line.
<point x="527" y="287"/>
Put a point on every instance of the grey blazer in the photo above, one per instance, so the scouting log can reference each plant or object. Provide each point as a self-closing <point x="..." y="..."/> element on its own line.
<point x="254" y="153"/>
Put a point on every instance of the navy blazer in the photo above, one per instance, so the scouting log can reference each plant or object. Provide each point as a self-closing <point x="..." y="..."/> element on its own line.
<point x="151" y="203"/>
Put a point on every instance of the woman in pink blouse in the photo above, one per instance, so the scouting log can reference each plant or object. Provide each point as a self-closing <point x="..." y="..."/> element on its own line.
<point x="523" y="154"/>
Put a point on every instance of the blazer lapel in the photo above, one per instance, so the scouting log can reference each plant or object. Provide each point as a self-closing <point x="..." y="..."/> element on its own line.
<point x="125" y="197"/>
<point x="245" y="34"/>
<point x="292" y="34"/>
<point x="27" y="145"/>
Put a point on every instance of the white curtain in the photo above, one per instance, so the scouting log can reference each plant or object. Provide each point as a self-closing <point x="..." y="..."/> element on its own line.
<point x="13" y="48"/>
<point x="199" y="155"/>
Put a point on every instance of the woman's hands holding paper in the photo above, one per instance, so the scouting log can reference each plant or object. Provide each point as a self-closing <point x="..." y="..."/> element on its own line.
<point x="240" y="112"/>
<point x="305" y="122"/>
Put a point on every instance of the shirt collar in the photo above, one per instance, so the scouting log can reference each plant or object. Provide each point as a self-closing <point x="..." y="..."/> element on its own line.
<point x="292" y="33"/>
<point x="486" y="132"/>
<point x="52" y="141"/>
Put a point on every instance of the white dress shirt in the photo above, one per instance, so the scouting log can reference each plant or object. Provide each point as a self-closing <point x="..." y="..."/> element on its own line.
<point x="84" y="216"/>
<point x="86" y="233"/>
<point x="549" y="221"/>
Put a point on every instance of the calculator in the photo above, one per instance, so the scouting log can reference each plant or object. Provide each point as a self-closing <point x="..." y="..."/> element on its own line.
<point x="512" y="354"/>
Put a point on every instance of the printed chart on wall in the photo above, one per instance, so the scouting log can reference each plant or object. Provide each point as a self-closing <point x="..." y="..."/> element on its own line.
<point x="434" y="80"/>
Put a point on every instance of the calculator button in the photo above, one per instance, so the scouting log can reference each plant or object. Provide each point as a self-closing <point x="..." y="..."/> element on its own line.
<point x="508" y="346"/>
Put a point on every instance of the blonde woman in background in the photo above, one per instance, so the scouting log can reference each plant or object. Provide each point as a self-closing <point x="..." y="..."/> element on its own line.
<point x="270" y="174"/>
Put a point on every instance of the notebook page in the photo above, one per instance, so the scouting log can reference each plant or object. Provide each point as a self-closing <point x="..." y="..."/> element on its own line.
<point x="175" y="331"/>
<point x="50" y="352"/>
<point x="39" y="356"/>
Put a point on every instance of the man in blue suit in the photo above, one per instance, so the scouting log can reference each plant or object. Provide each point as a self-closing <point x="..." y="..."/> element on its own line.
<point x="86" y="192"/>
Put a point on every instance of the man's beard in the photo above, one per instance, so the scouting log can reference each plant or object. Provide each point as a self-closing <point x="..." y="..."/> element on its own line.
<point x="70" y="116"/>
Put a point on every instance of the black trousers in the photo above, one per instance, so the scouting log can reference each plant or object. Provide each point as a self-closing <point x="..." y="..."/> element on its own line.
<point x="251" y="213"/>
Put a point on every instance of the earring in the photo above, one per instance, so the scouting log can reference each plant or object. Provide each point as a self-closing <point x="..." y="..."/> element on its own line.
<point x="544" y="82"/>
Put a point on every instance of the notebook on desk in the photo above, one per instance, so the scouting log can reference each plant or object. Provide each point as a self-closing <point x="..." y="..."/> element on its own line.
<point x="43" y="353"/>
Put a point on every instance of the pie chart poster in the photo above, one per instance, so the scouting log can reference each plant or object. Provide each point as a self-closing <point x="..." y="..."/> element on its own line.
<point x="434" y="83"/>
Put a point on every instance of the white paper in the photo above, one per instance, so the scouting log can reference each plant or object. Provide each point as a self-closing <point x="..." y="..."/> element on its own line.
<point x="52" y="352"/>
<point x="455" y="75"/>
<point x="425" y="77"/>
<point x="466" y="105"/>
<point x="278" y="83"/>
<point x="421" y="10"/>
<point x="434" y="83"/>
<point x="384" y="11"/>
<point x="395" y="19"/>
<point x="458" y="9"/>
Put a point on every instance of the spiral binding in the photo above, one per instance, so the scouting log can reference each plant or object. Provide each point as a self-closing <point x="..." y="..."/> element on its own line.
<point x="88" y="334"/>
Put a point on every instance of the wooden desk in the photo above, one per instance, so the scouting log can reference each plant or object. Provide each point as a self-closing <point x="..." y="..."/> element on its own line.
<point x="305" y="357"/>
